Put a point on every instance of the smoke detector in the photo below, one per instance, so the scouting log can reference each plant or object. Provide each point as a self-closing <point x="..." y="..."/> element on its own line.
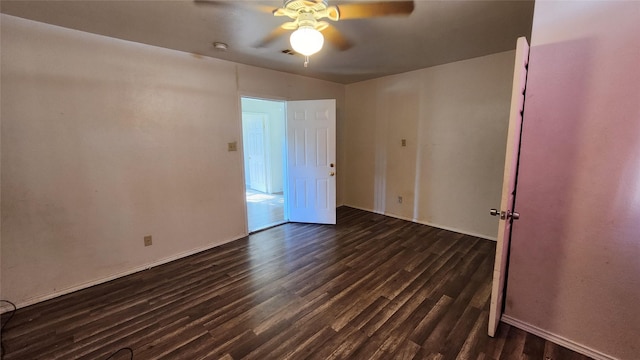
<point x="220" y="46"/>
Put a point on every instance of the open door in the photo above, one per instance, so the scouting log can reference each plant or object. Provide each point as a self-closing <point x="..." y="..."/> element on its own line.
<point x="506" y="212"/>
<point x="311" y="159"/>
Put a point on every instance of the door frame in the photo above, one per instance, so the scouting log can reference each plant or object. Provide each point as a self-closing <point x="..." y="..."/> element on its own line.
<point x="258" y="96"/>
<point x="287" y="211"/>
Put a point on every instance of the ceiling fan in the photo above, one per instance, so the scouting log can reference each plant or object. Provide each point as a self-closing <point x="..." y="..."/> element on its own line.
<point x="308" y="23"/>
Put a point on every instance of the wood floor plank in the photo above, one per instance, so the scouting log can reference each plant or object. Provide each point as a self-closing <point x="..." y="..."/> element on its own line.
<point x="350" y="344"/>
<point x="370" y="287"/>
<point x="469" y="349"/>
<point x="406" y="350"/>
<point x="423" y="330"/>
<point x="533" y="347"/>
<point x="310" y="345"/>
<point x="514" y="345"/>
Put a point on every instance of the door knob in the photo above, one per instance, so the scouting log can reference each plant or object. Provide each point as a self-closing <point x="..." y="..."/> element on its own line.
<point x="505" y="214"/>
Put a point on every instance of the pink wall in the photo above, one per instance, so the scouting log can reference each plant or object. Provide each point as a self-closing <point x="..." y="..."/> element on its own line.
<point x="575" y="257"/>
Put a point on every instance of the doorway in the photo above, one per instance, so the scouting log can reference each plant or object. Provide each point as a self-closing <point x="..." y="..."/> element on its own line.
<point x="263" y="135"/>
<point x="289" y="154"/>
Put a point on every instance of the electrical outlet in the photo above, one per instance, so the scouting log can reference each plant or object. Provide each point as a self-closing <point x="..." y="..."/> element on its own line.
<point x="232" y="146"/>
<point x="404" y="142"/>
<point x="148" y="241"/>
<point x="399" y="199"/>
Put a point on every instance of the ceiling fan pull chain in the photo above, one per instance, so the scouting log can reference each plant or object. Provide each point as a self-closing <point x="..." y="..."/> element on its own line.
<point x="306" y="61"/>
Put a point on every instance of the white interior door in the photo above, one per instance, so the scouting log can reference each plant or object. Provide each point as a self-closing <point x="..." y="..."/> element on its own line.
<point x="311" y="159"/>
<point x="506" y="212"/>
<point x="255" y="146"/>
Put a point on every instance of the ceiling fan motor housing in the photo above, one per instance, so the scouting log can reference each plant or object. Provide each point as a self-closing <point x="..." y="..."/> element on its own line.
<point x="317" y="9"/>
<point x="317" y="5"/>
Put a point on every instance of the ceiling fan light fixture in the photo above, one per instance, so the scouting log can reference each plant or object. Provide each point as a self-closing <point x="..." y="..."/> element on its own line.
<point x="306" y="40"/>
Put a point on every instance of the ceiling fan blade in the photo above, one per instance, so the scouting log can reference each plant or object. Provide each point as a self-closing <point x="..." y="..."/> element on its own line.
<point x="333" y="35"/>
<point x="228" y="4"/>
<point x="276" y="33"/>
<point x="374" y="9"/>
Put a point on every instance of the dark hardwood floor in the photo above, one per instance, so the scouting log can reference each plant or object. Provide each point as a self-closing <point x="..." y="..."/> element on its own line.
<point x="370" y="287"/>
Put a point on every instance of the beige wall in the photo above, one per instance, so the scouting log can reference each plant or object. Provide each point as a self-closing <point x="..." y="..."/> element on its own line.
<point x="454" y="118"/>
<point x="575" y="270"/>
<point x="105" y="141"/>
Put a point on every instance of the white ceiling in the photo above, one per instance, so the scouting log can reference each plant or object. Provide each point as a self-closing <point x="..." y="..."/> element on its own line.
<point x="437" y="32"/>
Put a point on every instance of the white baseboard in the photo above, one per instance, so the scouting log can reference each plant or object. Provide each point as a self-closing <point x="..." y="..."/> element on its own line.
<point x="557" y="339"/>
<point x="417" y="221"/>
<point x="136" y="269"/>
